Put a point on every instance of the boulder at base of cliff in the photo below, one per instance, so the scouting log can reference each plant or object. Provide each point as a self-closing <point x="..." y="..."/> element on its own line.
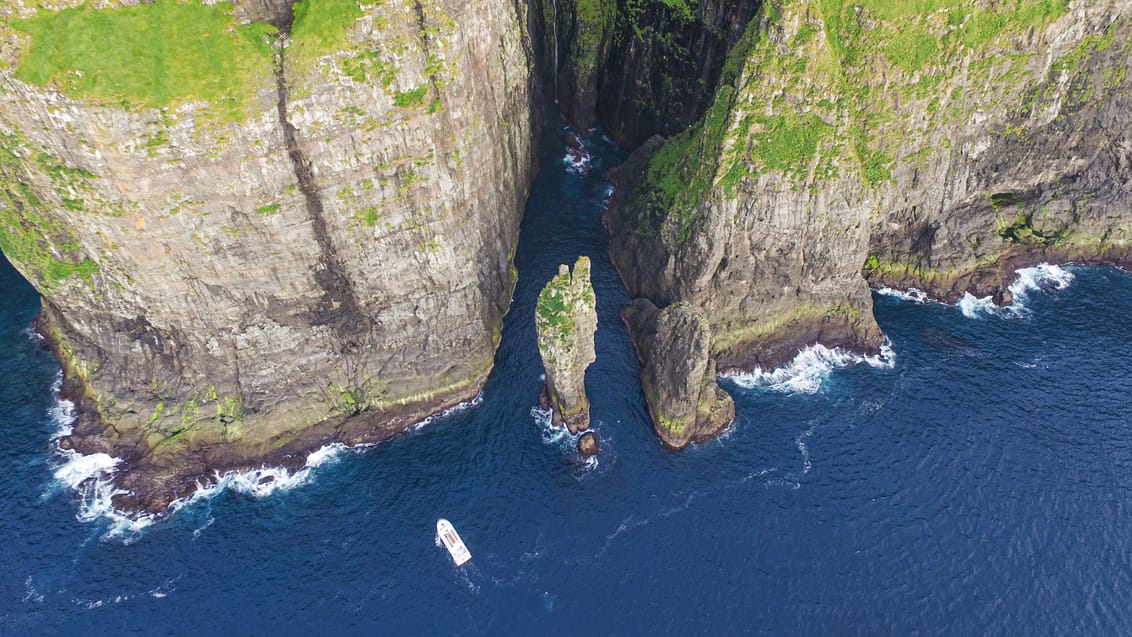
<point x="587" y="444"/>
<point x="566" y="320"/>
<point x="678" y="375"/>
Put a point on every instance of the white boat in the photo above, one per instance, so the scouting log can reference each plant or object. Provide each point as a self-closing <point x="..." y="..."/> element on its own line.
<point x="452" y="541"/>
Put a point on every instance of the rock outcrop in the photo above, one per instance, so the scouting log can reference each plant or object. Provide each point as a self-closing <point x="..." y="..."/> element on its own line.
<point x="566" y="320"/>
<point x="257" y="231"/>
<point x="856" y="144"/>
<point x="587" y="444"/>
<point x="678" y="373"/>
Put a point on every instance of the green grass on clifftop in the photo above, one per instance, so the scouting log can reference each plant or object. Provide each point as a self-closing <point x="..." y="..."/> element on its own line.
<point x="320" y="28"/>
<point x="154" y="55"/>
<point x="819" y="87"/>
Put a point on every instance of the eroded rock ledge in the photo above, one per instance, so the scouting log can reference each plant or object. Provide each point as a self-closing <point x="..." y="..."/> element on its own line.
<point x="678" y="372"/>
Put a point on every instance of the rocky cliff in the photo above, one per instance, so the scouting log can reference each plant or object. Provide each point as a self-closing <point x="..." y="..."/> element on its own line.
<point x="882" y="143"/>
<point x="260" y="227"/>
<point x="566" y="321"/>
<point x="638" y="67"/>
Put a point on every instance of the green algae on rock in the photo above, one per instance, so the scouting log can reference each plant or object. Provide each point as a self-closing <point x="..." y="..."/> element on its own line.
<point x="566" y="320"/>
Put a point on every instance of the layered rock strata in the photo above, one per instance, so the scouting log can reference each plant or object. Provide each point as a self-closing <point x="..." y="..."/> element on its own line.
<point x="257" y="228"/>
<point x="566" y="321"/>
<point x="856" y="144"/>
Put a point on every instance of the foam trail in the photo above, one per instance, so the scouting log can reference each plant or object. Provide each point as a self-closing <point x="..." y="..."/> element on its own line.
<point x="805" y="374"/>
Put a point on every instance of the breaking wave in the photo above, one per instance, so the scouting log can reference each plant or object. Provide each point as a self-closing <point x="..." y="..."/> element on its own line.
<point x="812" y="365"/>
<point x="561" y="438"/>
<point x="91" y="476"/>
<point x="915" y="295"/>
<point x="451" y="411"/>
<point x="1042" y="277"/>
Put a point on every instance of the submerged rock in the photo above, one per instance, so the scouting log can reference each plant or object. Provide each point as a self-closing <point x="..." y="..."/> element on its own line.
<point x="566" y="320"/>
<point x="587" y="444"/>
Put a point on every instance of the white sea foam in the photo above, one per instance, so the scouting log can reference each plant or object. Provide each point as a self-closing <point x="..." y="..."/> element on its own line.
<point x="973" y="307"/>
<point x="560" y="437"/>
<point x="577" y="163"/>
<point x="31" y="594"/>
<point x="1042" y="277"/>
<point x="33" y="335"/>
<point x="914" y="295"/>
<point x="812" y="365"/>
<point x="1027" y="281"/>
<point x="91" y="476"/>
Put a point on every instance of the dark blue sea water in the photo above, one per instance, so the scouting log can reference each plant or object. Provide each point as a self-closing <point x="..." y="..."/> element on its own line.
<point x="978" y="481"/>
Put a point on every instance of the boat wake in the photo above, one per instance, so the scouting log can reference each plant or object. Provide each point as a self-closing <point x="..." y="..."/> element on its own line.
<point x="809" y="369"/>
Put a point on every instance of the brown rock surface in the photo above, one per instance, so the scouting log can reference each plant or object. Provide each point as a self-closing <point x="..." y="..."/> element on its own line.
<point x="330" y="263"/>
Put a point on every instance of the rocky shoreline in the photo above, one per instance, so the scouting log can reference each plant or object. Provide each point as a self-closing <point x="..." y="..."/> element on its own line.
<point x="152" y="481"/>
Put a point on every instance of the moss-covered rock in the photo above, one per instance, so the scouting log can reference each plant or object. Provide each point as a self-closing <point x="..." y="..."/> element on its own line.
<point x="566" y="320"/>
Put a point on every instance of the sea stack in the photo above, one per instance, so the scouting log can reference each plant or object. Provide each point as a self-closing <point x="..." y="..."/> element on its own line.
<point x="566" y="320"/>
<point x="678" y="374"/>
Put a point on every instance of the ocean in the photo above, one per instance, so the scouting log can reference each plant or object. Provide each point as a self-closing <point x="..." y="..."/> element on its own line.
<point x="974" y="479"/>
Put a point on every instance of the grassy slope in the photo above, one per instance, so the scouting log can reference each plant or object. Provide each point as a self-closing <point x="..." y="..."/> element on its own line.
<point x="151" y="55"/>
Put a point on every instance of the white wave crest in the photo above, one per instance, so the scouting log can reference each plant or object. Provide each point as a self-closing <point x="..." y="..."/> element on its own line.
<point x="914" y="295"/>
<point x="577" y="163"/>
<point x="560" y="437"/>
<point x="91" y="476"/>
<point x="454" y="409"/>
<point x="973" y="307"/>
<point x="33" y="335"/>
<point x="812" y="365"/>
<point x="1039" y="278"/>
<point x="551" y="433"/>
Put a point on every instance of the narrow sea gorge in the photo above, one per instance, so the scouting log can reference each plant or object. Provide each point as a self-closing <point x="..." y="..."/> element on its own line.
<point x="973" y="478"/>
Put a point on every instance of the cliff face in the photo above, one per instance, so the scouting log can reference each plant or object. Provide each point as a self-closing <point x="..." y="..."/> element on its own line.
<point x="638" y="67"/>
<point x="257" y="237"/>
<point x="566" y="320"/>
<point x="664" y="64"/>
<point x="851" y="144"/>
